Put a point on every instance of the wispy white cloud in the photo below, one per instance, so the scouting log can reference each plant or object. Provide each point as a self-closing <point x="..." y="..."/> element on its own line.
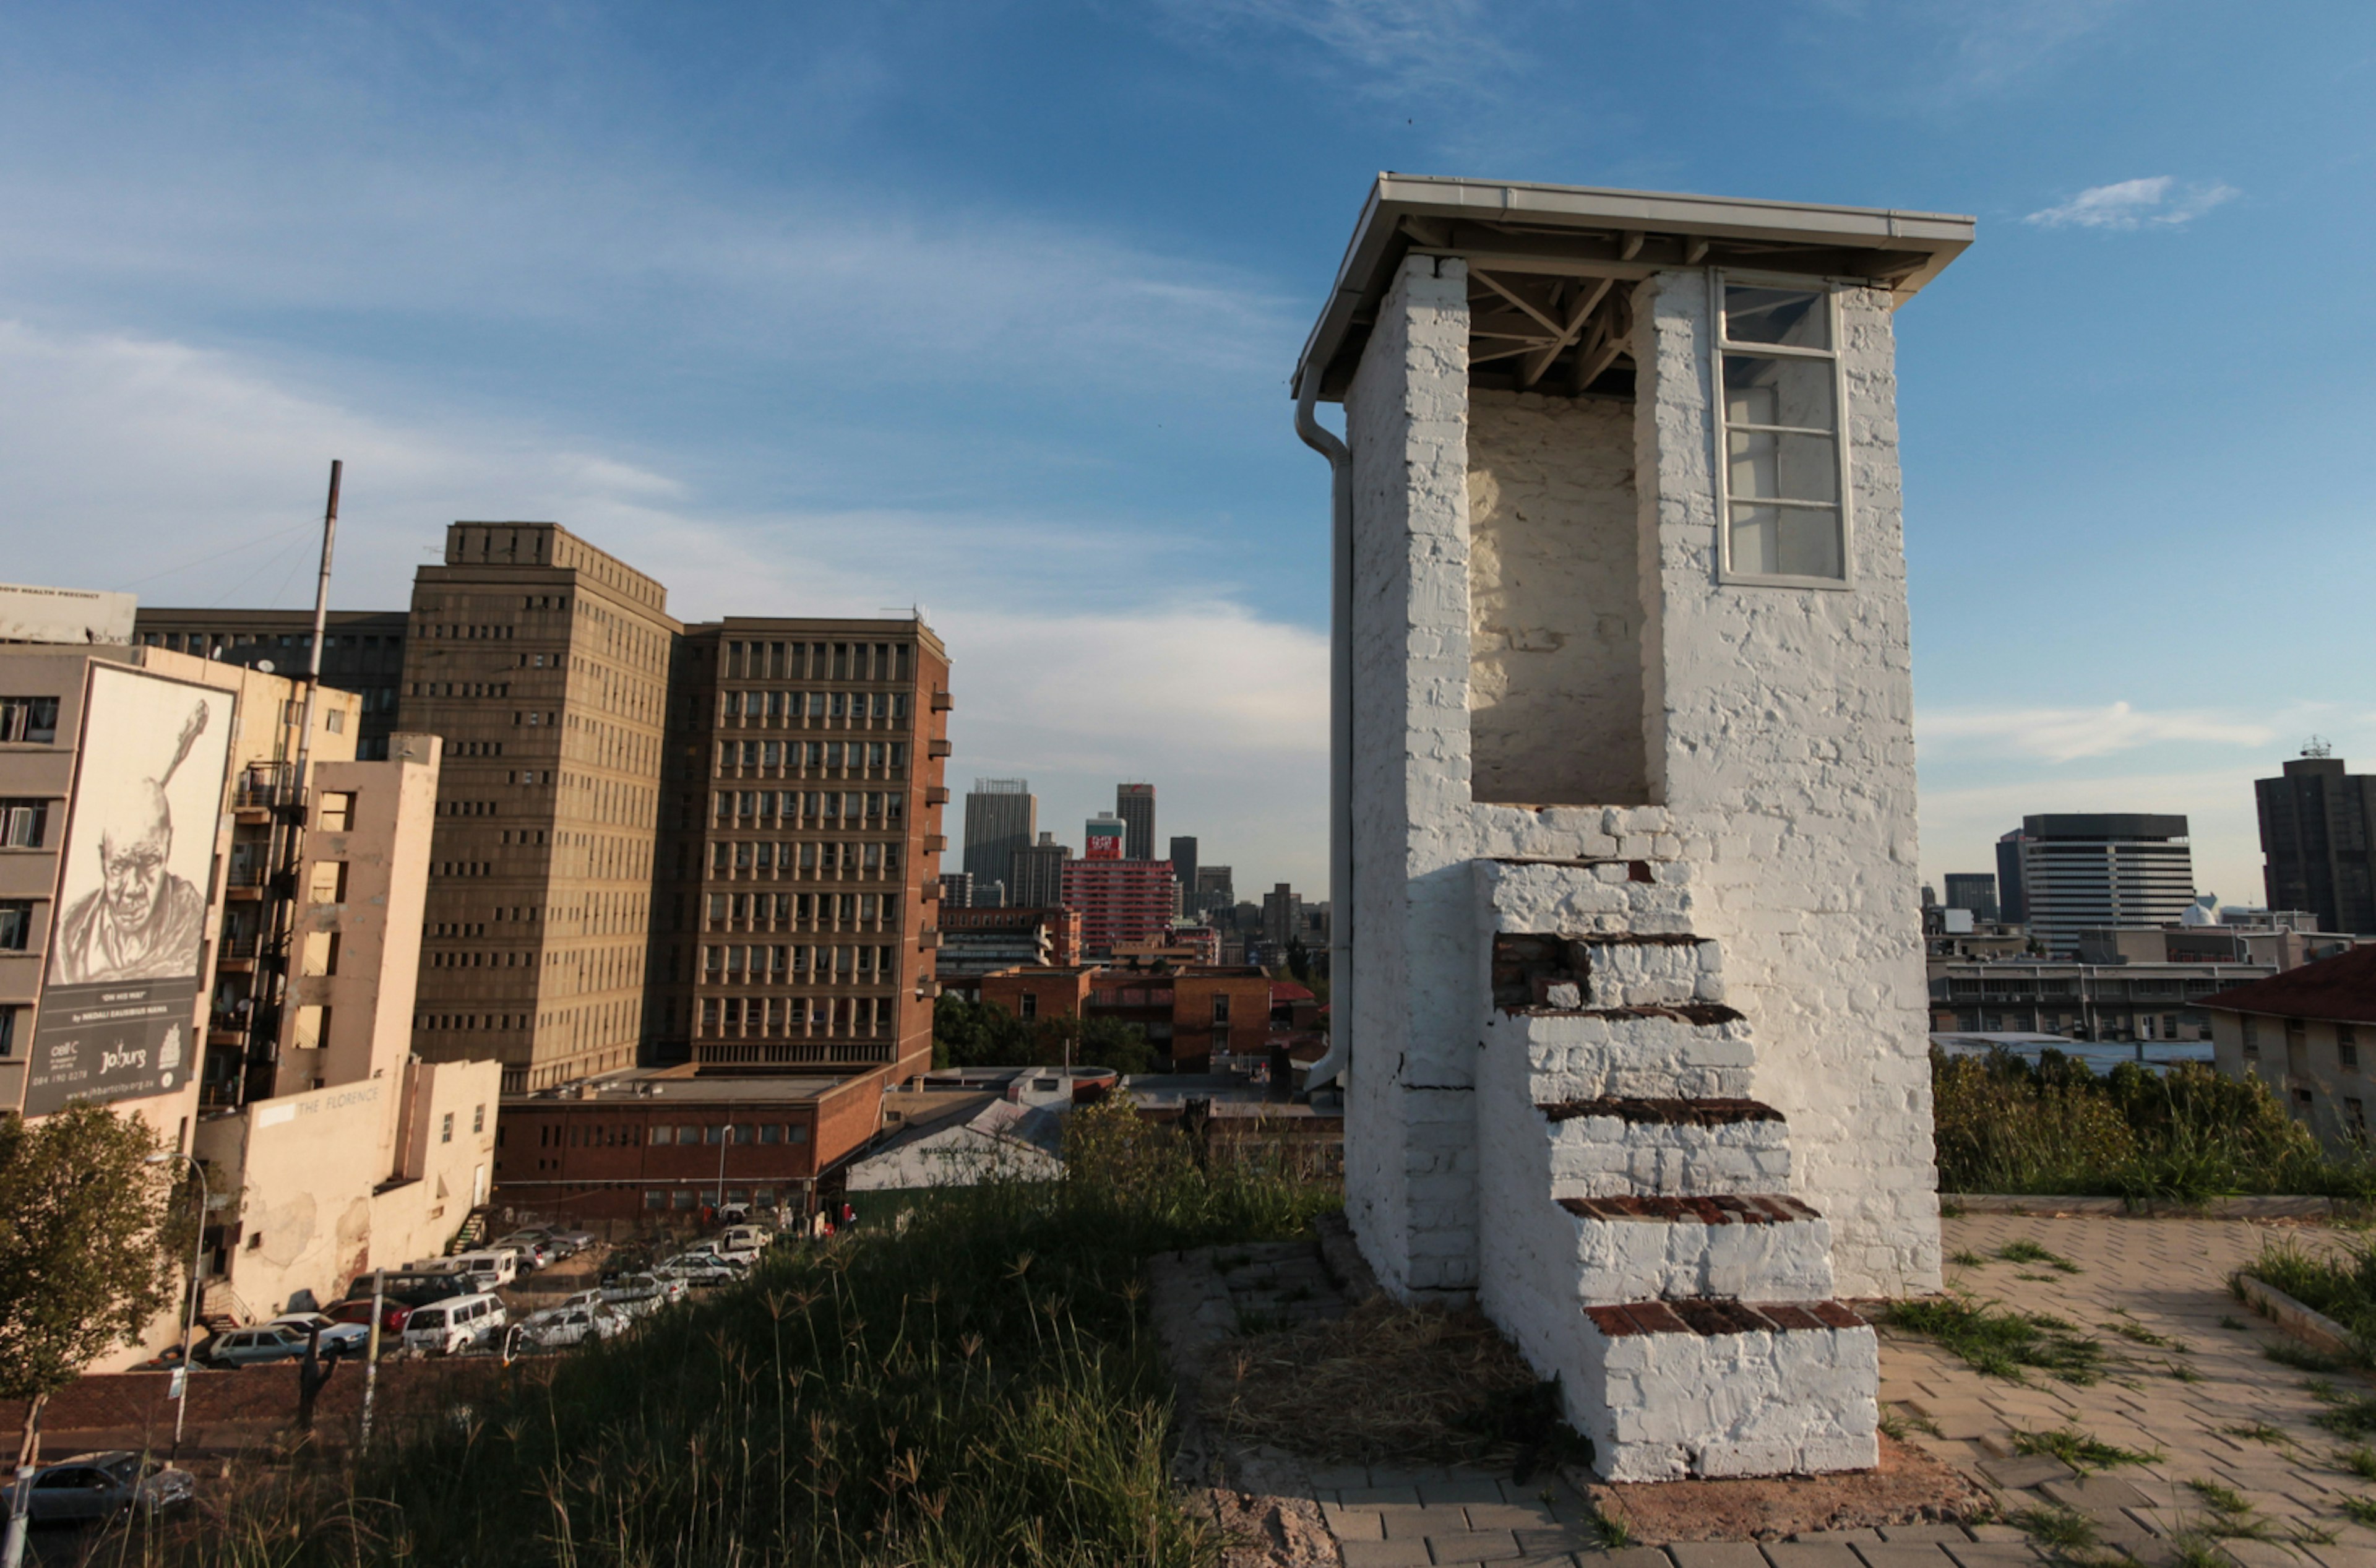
<point x="1390" y="45"/>
<point x="1960" y="826"/>
<point x="2067" y="734"/>
<point x="192" y="477"/>
<point x="2157" y="202"/>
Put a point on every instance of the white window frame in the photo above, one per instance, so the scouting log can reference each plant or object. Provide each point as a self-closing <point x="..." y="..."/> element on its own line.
<point x="1720" y="343"/>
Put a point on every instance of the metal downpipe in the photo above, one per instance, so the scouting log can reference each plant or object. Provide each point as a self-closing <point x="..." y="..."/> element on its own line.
<point x="1340" y="734"/>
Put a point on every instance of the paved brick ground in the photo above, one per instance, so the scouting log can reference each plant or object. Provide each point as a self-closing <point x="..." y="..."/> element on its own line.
<point x="2162" y="1277"/>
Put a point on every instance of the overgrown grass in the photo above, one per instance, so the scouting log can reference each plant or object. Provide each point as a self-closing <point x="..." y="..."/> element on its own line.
<point x="2080" y="1452"/>
<point x="2004" y="1126"/>
<point x="977" y="1387"/>
<point x="2340" y="1282"/>
<point x="2002" y="1343"/>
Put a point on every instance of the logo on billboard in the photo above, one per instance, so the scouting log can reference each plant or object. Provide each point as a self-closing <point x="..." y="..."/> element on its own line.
<point x="130" y="937"/>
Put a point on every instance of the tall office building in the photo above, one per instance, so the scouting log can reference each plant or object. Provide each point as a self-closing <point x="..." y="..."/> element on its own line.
<point x="1135" y="803"/>
<point x="1282" y="915"/>
<point x="804" y="845"/>
<point x="1119" y="901"/>
<point x="2095" y="870"/>
<point x="2317" y="825"/>
<point x="1215" y="895"/>
<point x="542" y="663"/>
<point x="1001" y="815"/>
<point x="1976" y="891"/>
<point x="586" y="739"/>
<point x="2011" y="905"/>
<point x="1036" y="875"/>
<point x="1184" y="872"/>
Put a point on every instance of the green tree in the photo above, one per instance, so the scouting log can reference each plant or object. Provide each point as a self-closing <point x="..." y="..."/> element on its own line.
<point x="1298" y="960"/>
<point x="1092" y="1042"/>
<point x="88" y="1235"/>
<point x="977" y="1034"/>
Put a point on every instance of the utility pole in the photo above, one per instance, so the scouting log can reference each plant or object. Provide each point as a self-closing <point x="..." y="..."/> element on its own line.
<point x="288" y="833"/>
<point x="321" y="620"/>
<point x="370" y="1356"/>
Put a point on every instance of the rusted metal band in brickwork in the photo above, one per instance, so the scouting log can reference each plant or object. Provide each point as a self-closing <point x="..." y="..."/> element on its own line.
<point x="1709" y="1318"/>
<point x="1711" y="1113"/>
<point x="1725" y="1209"/>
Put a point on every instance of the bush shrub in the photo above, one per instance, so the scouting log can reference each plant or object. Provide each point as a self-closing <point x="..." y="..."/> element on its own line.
<point x="2002" y="1125"/>
<point x="974" y="1385"/>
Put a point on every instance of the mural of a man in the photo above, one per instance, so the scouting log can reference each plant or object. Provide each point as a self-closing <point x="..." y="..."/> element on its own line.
<point x="142" y="922"/>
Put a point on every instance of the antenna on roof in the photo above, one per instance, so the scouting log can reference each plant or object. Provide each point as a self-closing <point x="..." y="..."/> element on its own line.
<point x="2317" y="746"/>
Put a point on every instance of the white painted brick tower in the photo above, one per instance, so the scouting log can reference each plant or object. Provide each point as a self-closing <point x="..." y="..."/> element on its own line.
<point x="1629" y="987"/>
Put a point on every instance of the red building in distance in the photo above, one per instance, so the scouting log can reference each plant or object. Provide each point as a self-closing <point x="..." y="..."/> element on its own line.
<point x="1119" y="901"/>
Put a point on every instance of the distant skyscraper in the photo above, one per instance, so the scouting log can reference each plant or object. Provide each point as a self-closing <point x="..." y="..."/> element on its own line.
<point x="956" y="889"/>
<point x="2317" y="824"/>
<point x="1282" y="915"/>
<point x="1214" y="896"/>
<point x="1976" y="891"/>
<point x="1184" y="873"/>
<point x="1135" y="803"/>
<point x="2011" y="904"/>
<point x="1035" y="876"/>
<point x="2096" y="870"/>
<point x="1001" y="816"/>
<point x="1105" y="839"/>
<point x="1119" y="901"/>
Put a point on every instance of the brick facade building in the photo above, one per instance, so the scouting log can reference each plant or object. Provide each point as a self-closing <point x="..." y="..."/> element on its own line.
<point x="1188" y="1014"/>
<point x="1119" y="901"/>
<point x="666" y="1143"/>
<point x="802" y="874"/>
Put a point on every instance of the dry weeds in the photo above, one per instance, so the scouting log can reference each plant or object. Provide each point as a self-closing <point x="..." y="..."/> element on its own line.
<point x="1385" y="1382"/>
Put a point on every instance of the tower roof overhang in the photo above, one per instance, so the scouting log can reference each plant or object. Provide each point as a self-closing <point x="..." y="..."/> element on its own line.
<point x="1549" y="258"/>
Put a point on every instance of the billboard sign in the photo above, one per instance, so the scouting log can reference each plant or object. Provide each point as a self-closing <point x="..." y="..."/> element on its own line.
<point x="1104" y="839"/>
<point x="63" y="616"/>
<point x="121" y="990"/>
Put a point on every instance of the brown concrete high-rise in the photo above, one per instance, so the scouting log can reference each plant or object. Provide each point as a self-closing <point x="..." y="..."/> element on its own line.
<point x="801" y="859"/>
<point x="543" y="663"/>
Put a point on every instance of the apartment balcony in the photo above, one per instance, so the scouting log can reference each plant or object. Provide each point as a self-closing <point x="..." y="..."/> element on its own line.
<point x="928" y="938"/>
<point x="935" y="842"/>
<point x="936" y="796"/>
<point x="942" y="702"/>
<point x="937" y="748"/>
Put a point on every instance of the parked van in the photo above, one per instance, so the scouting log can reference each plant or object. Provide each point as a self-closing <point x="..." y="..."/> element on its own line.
<point x="491" y="1269"/>
<point x="455" y="1325"/>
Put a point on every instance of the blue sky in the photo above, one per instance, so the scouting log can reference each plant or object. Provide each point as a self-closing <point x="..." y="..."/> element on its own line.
<point x="991" y="307"/>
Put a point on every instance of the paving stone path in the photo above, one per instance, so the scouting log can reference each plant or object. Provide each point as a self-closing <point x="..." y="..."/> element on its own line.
<point x="2235" y="1419"/>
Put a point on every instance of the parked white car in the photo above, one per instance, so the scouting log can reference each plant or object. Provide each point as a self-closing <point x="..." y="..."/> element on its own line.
<point x="337" y="1339"/>
<point x="557" y="1327"/>
<point x="638" y="1295"/>
<point x="737" y="1253"/>
<point x="490" y="1268"/>
<point x="453" y="1325"/>
<point x="698" y="1270"/>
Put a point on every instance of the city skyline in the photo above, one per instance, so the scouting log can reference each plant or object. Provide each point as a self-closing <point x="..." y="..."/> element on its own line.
<point x="643" y="286"/>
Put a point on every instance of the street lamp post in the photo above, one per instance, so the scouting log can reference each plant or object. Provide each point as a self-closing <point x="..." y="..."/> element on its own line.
<point x="190" y="1310"/>
<point x="725" y="1142"/>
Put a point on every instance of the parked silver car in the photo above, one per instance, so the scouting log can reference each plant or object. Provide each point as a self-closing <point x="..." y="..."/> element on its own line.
<point x="250" y="1346"/>
<point x="93" y="1488"/>
<point x="557" y="1327"/>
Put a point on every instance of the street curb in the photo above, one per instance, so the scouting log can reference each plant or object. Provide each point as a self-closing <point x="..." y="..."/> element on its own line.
<point x="2053" y="1206"/>
<point x="2312" y="1328"/>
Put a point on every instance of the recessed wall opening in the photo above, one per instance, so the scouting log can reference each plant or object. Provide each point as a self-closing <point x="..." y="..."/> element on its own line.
<point x="1555" y="684"/>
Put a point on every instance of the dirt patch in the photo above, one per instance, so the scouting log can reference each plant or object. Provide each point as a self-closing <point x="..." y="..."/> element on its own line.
<point x="1260" y="1531"/>
<point x="1908" y="1486"/>
<point x="1385" y="1382"/>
